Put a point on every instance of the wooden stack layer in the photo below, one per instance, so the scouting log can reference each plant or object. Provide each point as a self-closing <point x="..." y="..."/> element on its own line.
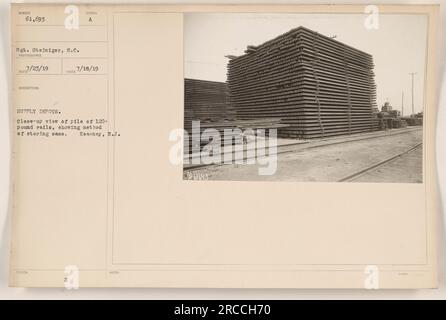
<point x="319" y="86"/>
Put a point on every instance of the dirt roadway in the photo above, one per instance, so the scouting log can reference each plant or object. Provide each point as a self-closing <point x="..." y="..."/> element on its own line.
<point x="334" y="162"/>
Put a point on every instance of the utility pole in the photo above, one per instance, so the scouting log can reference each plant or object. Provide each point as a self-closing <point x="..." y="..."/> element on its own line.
<point x="412" y="74"/>
<point x="402" y="104"/>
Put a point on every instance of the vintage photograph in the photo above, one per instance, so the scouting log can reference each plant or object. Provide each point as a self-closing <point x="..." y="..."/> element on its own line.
<point x="304" y="97"/>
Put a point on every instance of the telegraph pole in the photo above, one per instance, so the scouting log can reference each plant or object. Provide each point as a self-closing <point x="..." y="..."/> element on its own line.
<point x="402" y="104"/>
<point x="412" y="74"/>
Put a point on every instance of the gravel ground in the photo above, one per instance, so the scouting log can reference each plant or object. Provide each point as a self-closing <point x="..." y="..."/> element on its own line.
<point x="407" y="168"/>
<point x="332" y="163"/>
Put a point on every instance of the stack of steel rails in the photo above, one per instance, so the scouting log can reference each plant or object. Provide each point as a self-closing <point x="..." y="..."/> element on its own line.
<point x="319" y="86"/>
<point x="205" y="101"/>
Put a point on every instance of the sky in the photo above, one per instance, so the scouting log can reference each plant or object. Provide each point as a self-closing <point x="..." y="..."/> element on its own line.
<point x="398" y="46"/>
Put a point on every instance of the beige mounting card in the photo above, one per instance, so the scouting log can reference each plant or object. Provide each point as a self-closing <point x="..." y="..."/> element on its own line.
<point x="100" y="198"/>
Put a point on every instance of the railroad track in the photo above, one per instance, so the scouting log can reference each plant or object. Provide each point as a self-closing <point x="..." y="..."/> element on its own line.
<point x="303" y="146"/>
<point x="368" y="169"/>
